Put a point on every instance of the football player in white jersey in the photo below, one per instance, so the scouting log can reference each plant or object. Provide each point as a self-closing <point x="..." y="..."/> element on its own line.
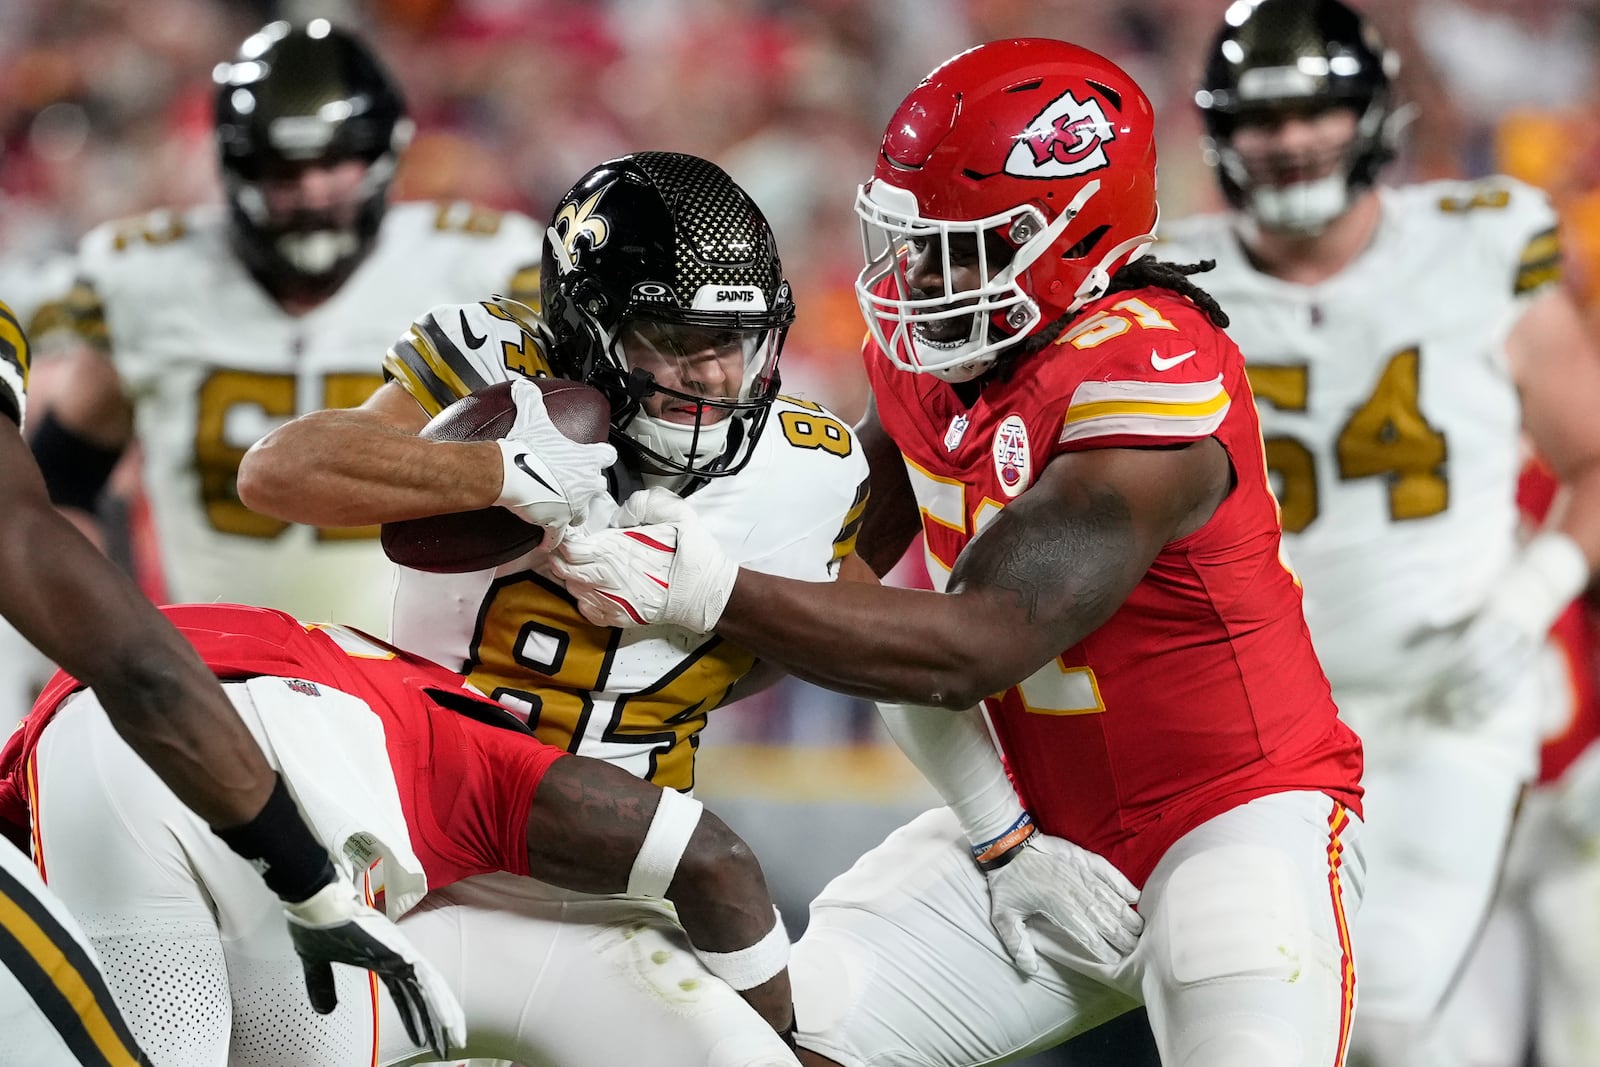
<point x="663" y="288"/>
<point x="55" y="1007"/>
<point x="208" y="327"/>
<point x="1400" y="341"/>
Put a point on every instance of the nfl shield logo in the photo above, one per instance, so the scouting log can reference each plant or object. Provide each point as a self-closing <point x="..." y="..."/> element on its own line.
<point x="957" y="430"/>
<point x="1012" y="464"/>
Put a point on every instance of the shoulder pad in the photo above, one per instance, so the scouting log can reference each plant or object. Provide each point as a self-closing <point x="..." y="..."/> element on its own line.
<point x="155" y="229"/>
<point x="1151" y="379"/>
<point x="14" y="360"/>
<point x="1195" y="237"/>
<point x="457" y="349"/>
<point x="1513" y="221"/>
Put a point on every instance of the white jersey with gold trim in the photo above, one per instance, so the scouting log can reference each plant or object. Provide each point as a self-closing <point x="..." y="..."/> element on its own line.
<point x="14" y="360"/>
<point x="1390" y="417"/>
<point x="212" y="363"/>
<point x="637" y="698"/>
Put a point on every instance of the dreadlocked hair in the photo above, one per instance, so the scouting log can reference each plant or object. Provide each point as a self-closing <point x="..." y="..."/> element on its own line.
<point x="1143" y="273"/>
<point x="1149" y="272"/>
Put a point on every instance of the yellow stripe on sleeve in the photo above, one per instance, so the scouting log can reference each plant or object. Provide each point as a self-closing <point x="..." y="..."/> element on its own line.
<point x="1540" y="263"/>
<point x="437" y="363"/>
<point x="1157" y="409"/>
<point x="396" y="366"/>
<point x="850" y="529"/>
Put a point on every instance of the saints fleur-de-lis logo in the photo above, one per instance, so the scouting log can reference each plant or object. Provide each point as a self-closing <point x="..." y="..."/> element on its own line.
<point x="578" y="219"/>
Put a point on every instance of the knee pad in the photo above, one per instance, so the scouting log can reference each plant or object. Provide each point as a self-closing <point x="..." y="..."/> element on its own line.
<point x="1235" y="912"/>
<point x="827" y="975"/>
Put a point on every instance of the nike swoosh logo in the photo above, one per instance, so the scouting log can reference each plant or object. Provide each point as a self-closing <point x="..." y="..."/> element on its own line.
<point x="521" y="461"/>
<point x="1167" y="364"/>
<point x="474" y="340"/>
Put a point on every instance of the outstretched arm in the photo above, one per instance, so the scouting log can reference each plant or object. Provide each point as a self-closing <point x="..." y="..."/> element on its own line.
<point x="1050" y="568"/>
<point x="366" y="465"/>
<point x="68" y="599"/>
<point x="1047" y="571"/>
<point x="86" y="615"/>
<point x="593" y="828"/>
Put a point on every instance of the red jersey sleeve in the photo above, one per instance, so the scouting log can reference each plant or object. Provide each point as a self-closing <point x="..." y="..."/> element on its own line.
<point x="1157" y="377"/>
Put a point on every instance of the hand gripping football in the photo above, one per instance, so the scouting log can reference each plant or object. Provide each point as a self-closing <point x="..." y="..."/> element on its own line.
<point x="477" y="540"/>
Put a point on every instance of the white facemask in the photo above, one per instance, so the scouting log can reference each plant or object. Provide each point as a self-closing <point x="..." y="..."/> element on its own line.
<point x="1305" y="208"/>
<point x="676" y="441"/>
<point x="318" y="251"/>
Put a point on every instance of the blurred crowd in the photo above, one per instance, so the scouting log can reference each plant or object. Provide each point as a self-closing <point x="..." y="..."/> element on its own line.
<point x="105" y="111"/>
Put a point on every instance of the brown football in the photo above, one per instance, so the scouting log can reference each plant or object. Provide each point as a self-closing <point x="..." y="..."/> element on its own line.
<point x="477" y="540"/>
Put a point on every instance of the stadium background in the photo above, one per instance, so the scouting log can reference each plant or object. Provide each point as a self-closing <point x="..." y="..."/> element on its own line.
<point x="105" y="112"/>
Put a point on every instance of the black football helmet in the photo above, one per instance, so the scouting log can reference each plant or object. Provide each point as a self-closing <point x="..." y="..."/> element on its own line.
<point x="661" y="279"/>
<point x="1276" y="55"/>
<point x="293" y="98"/>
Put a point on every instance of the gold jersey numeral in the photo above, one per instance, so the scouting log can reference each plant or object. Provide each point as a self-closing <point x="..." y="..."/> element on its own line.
<point x="1291" y="467"/>
<point x="1389" y="437"/>
<point x="1386" y="436"/>
<point x="806" y="429"/>
<point x="225" y="395"/>
<point x="534" y="649"/>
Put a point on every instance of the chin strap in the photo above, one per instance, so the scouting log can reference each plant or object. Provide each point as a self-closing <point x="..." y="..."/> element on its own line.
<point x="1098" y="280"/>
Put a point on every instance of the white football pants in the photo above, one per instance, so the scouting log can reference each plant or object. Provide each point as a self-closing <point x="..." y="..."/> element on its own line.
<point x="198" y="954"/>
<point x="1245" y="959"/>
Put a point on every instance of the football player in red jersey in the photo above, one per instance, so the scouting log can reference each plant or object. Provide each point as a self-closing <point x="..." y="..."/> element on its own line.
<point x="1076" y="434"/>
<point x="73" y="603"/>
<point x="420" y="782"/>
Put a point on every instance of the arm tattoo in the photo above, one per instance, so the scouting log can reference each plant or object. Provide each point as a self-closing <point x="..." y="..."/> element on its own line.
<point x="1065" y="559"/>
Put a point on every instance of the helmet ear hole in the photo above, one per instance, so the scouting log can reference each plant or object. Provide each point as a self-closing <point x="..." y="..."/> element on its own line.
<point x="1086" y="245"/>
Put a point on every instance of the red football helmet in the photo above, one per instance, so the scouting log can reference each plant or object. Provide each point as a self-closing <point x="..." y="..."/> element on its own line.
<point x="1042" y="144"/>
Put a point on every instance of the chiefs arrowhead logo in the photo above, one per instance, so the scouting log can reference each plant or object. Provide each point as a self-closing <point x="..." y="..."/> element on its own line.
<point x="1064" y="139"/>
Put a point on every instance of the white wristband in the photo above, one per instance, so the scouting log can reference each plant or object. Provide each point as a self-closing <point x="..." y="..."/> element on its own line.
<point x="653" y="868"/>
<point x="749" y="967"/>
<point x="954" y="751"/>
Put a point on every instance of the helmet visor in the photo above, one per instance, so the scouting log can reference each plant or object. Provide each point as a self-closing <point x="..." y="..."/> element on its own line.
<point x="1295" y="143"/>
<point x="692" y="380"/>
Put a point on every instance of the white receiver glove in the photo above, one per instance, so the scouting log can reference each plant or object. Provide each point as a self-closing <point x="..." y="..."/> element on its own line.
<point x="1081" y="894"/>
<point x="548" y="479"/>
<point x="1076" y="891"/>
<point x="1498" y="646"/>
<point x="657" y="564"/>
<point x="334" y="926"/>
